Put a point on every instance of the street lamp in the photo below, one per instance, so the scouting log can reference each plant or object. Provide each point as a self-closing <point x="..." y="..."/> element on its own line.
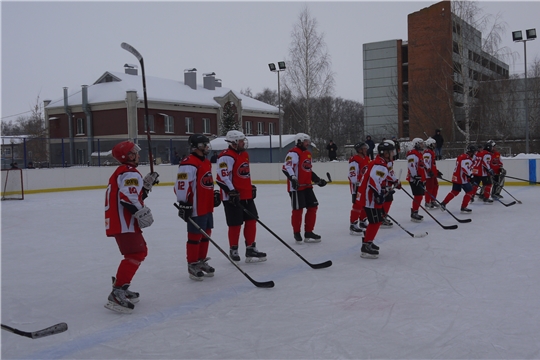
<point x="281" y="67"/>
<point x="517" y="36"/>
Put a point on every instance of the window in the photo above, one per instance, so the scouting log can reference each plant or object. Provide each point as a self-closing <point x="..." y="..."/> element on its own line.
<point x="271" y="128"/>
<point x="150" y="123"/>
<point x="80" y="126"/>
<point x="169" y="124"/>
<point x="189" y="125"/>
<point x="260" y="128"/>
<point x="248" y="128"/>
<point x="206" y="125"/>
<point x="7" y="151"/>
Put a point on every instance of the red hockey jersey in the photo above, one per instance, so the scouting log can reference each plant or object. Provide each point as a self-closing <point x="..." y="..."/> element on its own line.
<point x="233" y="171"/>
<point x="195" y="184"/>
<point x="298" y="163"/>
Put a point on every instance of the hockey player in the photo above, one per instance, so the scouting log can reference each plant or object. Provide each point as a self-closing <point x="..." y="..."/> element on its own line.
<point x="416" y="176"/>
<point x="432" y="173"/>
<point x="498" y="170"/>
<point x="194" y="189"/>
<point x="372" y="194"/>
<point x="482" y="172"/>
<point x="390" y="182"/>
<point x="358" y="164"/>
<point x="125" y="216"/>
<point x="237" y="193"/>
<point x="461" y="180"/>
<point x="297" y="169"/>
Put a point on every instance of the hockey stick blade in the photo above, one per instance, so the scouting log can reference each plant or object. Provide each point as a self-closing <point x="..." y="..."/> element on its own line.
<point x="445" y="227"/>
<point x="132" y="50"/>
<point x="505" y="204"/>
<point x="407" y="231"/>
<point x="329" y="177"/>
<point x="52" y="330"/>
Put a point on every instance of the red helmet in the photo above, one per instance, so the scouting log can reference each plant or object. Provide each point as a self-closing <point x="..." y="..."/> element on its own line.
<point x="121" y="150"/>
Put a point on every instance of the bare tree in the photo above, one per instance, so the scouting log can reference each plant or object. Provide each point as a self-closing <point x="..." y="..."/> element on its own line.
<point x="309" y="75"/>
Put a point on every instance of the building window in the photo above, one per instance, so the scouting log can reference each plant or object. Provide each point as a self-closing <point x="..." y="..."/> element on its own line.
<point x="206" y="125"/>
<point x="248" y="128"/>
<point x="271" y="128"/>
<point x="6" y="151"/>
<point x="80" y="126"/>
<point x="189" y="125"/>
<point x="150" y="123"/>
<point x="260" y="128"/>
<point x="169" y="124"/>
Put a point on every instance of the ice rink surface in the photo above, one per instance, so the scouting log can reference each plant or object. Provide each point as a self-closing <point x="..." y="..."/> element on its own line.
<point x="469" y="293"/>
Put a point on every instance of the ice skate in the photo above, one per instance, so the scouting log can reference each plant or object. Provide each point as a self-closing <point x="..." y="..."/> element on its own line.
<point x="254" y="255"/>
<point x="130" y="295"/>
<point x="234" y="253"/>
<point x="466" y="210"/>
<point x="430" y="205"/>
<point x="415" y="217"/>
<point x="206" y="269"/>
<point x="487" y="201"/>
<point x="117" y="300"/>
<point x="368" y="251"/>
<point x="356" y="230"/>
<point x="311" y="237"/>
<point x="298" y="238"/>
<point x="195" y="272"/>
<point x="387" y="223"/>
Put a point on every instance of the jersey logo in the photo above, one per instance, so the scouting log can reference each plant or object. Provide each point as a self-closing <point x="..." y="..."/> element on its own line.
<point x="288" y="158"/>
<point x="306" y="165"/>
<point x="131" y="182"/>
<point x="181" y="176"/>
<point x="411" y="160"/>
<point x="207" y="181"/>
<point x="222" y="165"/>
<point x="243" y="170"/>
<point x="351" y="168"/>
<point x="380" y="173"/>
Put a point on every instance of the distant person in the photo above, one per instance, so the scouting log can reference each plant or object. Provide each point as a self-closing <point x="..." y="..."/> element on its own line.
<point x="14" y="165"/>
<point x="398" y="148"/>
<point x="332" y="150"/>
<point x="440" y="141"/>
<point x="214" y="157"/>
<point x="176" y="158"/>
<point x="30" y="165"/>
<point x="371" y="145"/>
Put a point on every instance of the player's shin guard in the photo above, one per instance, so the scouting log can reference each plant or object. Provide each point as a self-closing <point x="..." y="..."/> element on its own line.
<point x="128" y="267"/>
<point x="296" y="220"/>
<point x="311" y="217"/>
<point x="234" y="235"/>
<point x="250" y="231"/>
<point x="416" y="202"/>
<point x="192" y="247"/>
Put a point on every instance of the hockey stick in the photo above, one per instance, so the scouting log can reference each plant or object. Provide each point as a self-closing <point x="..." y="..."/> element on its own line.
<point x="51" y="330"/>
<point x="262" y="284"/>
<point x="313" y="266"/>
<point x="513" y="202"/>
<point x="407" y="231"/>
<point x="529" y="181"/>
<point x="139" y="57"/>
<point x="448" y="211"/>
<point x="505" y="204"/>
<point x="445" y="227"/>
<point x="329" y="177"/>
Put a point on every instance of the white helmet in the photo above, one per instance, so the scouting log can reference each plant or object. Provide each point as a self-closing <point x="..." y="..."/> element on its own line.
<point x="234" y="136"/>
<point x="430" y="142"/>
<point x="417" y="143"/>
<point x="301" y="137"/>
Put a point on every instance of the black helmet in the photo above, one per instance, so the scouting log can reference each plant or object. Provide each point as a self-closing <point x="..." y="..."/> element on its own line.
<point x="359" y="145"/>
<point x="385" y="146"/>
<point x="488" y="146"/>
<point x="199" y="141"/>
<point x="471" y="149"/>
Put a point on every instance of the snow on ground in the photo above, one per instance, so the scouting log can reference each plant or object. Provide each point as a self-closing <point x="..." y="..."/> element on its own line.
<point x="469" y="293"/>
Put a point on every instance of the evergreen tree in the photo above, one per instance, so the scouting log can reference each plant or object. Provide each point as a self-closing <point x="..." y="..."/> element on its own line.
<point x="228" y="119"/>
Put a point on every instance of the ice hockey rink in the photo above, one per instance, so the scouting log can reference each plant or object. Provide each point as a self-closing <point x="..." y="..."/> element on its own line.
<point x="468" y="293"/>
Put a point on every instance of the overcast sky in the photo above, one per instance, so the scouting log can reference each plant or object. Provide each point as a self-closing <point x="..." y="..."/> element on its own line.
<point x="49" y="45"/>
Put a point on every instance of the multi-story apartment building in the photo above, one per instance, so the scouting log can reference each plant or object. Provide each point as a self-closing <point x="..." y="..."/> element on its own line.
<point x="428" y="82"/>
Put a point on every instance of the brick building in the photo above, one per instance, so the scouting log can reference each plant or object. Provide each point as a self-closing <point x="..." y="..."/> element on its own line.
<point x="112" y="109"/>
<point x="414" y="87"/>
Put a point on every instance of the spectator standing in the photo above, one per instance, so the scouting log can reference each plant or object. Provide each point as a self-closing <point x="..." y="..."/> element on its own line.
<point x="398" y="148"/>
<point x="332" y="150"/>
<point x="371" y="145"/>
<point x="440" y="141"/>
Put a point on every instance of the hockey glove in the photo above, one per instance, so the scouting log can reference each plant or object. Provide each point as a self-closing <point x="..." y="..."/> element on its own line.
<point x="150" y="180"/>
<point x="430" y="173"/>
<point x="234" y="197"/>
<point x="322" y="182"/>
<point x="491" y="172"/>
<point x="217" y="198"/>
<point x="294" y="182"/>
<point x="439" y="174"/>
<point x="144" y="217"/>
<point x="379" y="198"/>
<point x="184" y="210"/>
<point x="253" y="191"/>
<point x="398" y="185"/>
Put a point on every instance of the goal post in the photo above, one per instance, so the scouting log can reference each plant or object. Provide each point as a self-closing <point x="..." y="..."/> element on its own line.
<point x="12" y="184"/>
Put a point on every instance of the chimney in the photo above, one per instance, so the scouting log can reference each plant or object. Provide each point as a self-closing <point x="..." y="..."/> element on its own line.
<point x="130" y="69"/>
<point x="209" y="81"/>
<point x="218" y="83"/>
<point x="190" y="78"/>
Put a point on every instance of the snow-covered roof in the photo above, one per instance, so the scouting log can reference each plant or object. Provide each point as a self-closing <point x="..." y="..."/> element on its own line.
<point x="158" y="90"/>
<point x="257" y="142"/>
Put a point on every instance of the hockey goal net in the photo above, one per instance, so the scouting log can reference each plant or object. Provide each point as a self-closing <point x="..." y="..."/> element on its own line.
<point x="12" y="184"/>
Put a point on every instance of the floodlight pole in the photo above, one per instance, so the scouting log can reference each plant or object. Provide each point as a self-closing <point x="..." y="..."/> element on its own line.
<point x="139" y="57"/>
